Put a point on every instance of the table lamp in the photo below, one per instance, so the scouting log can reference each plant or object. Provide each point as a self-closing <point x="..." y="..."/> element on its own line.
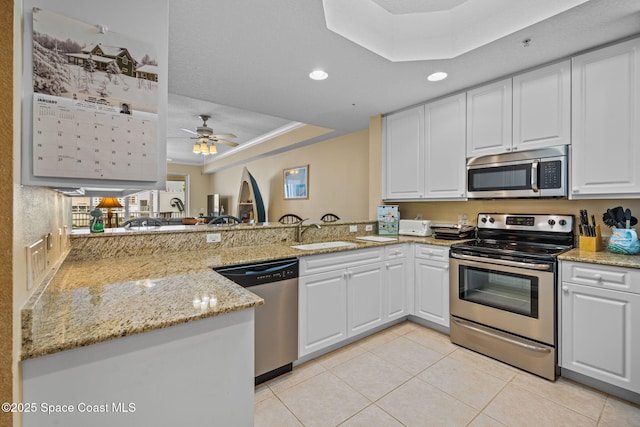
<point x="109" y="202"/>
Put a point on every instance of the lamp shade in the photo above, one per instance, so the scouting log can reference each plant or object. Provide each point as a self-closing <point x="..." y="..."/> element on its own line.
<point x="109" y="202"/>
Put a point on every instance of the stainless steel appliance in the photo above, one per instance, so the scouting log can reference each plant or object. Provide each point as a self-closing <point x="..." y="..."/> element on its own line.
<point x="503" y="289"/>
<point x="532" y="174"/>
<point x="215" y="205"/>
<point x="276" y="321"/>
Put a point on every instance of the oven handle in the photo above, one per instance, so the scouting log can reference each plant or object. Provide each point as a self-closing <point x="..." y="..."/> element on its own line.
<point x="478" y="329"/>
<point x="502" y="262"/>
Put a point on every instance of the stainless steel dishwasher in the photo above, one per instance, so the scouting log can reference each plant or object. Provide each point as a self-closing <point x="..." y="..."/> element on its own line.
<point x="276" y="321"/>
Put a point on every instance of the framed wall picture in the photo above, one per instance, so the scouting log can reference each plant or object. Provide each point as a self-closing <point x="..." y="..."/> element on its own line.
<point x="296" y="183"/>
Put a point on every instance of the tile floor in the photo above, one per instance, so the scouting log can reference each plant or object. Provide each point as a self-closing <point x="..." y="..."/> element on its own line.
<point x="409" y="375"/>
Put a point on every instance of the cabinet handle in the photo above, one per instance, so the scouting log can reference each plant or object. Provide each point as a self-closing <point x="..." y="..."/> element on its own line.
<point x="565" y="289"/>
<point x="576" y="190"/>
<point x="387" y="265"/>
<point x="345" y="275"/>
<point x="598" y="277"/>
<point x="446" y="267"/>
<point x="508" y="149"/>
<point x="515" y="148"/>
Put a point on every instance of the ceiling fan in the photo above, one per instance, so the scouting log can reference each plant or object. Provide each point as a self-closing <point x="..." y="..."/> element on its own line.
<point x="207" y="139"/>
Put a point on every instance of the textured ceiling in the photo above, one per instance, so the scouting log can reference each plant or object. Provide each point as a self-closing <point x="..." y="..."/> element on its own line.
<point x="256" y="56"/>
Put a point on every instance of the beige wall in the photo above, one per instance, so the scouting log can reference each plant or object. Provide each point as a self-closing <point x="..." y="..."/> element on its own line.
<point x="199" y="186"/>
<point x="6" y="205"/>
<point x="447" y="212"/>
<point x="375" y="165"/>
<point x="338" y="179"/>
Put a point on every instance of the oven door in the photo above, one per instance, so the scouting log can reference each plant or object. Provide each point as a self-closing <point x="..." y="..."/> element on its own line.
<point x="518" y="298"/>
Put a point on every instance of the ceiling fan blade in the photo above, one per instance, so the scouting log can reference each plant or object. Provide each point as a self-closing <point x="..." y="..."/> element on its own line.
<point x="188" y="130"/>
<point x="229" y="143"/>
<point x="224" y="135"/>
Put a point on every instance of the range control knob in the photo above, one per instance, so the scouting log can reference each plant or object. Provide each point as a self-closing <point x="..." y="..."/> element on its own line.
<point x="551" y="222"/>
<point x="484" y="220"/>
<point x="491" y="220"/>
<point x="562" y="222"/>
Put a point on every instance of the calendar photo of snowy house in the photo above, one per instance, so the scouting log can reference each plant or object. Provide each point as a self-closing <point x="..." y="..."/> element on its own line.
<point x="77" y="61"/>
<point x="105" y="56"/>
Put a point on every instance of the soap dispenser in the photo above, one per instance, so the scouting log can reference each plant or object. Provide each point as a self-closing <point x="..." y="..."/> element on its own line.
<point x="96" y="225"/>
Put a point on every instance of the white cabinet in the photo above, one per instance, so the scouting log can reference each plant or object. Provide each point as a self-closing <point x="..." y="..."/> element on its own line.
<point x="348" y="293"/>
<point x="322" y="311"/>
<point x="432" y="283"/>
<point x="532" y="110"/>
<point x="424" y="150"/>
<point x="403" y="171"/>
<point x="340" y="295"/>
<point x="606" y="122"/>
<point x="600" y="321"/>
<point x="398" y="281"/>
<point x="542" y="107"/>
<point x="365" y="298"/>
<point x="444" y="154"/>
<point x="489" y="119"/>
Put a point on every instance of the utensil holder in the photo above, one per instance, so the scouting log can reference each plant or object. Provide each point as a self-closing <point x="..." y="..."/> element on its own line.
<point x="592" y="244"/>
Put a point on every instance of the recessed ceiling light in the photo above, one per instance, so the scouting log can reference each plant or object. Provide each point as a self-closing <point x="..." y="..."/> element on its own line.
<point x="318" y="75"/>
<point x="437" y="76"/>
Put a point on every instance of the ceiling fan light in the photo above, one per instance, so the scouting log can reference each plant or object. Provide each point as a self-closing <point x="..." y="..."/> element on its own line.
<point x="196" y="148"/>
<point x="204" y="148"/>
<point x="213" y="149"/>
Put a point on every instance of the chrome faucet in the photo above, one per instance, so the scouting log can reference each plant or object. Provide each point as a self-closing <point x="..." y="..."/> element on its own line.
<point x="300" y="229"/>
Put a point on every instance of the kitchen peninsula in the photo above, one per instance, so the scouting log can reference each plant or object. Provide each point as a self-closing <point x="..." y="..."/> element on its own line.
<point x="123" y="322"/>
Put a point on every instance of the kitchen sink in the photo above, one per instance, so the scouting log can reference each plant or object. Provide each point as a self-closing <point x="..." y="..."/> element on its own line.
<point x="323" y="245"/>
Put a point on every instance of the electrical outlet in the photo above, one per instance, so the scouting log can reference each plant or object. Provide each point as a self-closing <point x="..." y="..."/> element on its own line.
<point x="353" y="229"/>
<point x="368" y="227"/>
<point x="214" y="238"/>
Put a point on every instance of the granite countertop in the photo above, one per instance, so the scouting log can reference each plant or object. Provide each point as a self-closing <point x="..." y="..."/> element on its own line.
<point x="86" y="302"/>
<point x="603" y="257"/>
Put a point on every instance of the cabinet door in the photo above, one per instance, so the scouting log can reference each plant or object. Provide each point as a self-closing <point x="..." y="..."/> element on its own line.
<point x="432" y="291"/>
<point x="396" y="279"/>
<point x="403" y="147"/>
<point x="541" y="107"/>
<point x="489" y="119"/>
<point x="605" y="346"/>
<point x="365" y="297"/>
<point x="445" y="148"/>
<point x="605" y="122"/>
<point x="322" y="310"/>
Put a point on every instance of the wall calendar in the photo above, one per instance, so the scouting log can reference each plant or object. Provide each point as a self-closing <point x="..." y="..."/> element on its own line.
<point x="82" y="139"/>
<point x="95" y="102"/>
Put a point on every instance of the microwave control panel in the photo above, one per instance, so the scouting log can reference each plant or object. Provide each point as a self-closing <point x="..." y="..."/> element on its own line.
<point x="550" y="174"/>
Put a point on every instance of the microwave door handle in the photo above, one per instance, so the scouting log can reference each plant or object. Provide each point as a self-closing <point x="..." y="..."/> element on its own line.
<point x="534" y="176"/>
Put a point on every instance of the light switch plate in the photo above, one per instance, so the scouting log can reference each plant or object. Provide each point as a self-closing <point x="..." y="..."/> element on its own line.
<point x="368" y="227"/>
<point x="353" y="228"/>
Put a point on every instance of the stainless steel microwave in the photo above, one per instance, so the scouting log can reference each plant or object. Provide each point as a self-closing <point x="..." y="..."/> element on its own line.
<point x="523" y="174"/>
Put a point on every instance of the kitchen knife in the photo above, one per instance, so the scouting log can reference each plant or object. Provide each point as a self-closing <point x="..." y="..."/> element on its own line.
<point x="627" y="217"/>
<point x="593" y="221"/>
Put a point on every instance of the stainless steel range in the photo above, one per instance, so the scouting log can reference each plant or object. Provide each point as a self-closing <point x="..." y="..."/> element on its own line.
<point x="503" y="289"/>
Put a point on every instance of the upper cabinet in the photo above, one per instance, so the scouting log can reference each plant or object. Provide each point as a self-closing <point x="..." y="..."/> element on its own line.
<point x="542" y="107"/>
<point x="444" y="159"/>
<point x="403" y="174"/>
<point x="529" y="111"/>
<point x="489" y="119"/>
<point x="424" y="152"/>
<point x="605" y="122"/>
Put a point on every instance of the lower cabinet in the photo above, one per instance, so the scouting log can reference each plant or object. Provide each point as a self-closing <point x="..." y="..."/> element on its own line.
<point x="600" y="323"/>
<point x="365" y="295"/>
<point x="345" y="294"/>
<point x="432" y="283"/>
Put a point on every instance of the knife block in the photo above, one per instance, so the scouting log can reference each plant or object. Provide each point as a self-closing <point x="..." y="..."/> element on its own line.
<point x="592" y="244"/>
